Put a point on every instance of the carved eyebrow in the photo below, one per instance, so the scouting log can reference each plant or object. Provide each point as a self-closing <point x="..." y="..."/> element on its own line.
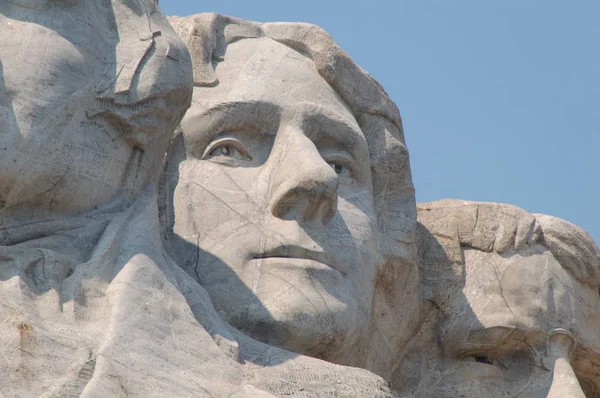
<point x="259" y="111"/>
<point x="322" y="124"/>
<point x="256" y="117"/>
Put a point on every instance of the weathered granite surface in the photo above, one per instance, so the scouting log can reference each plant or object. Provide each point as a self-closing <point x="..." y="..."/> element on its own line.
<point x="308" y="241"/>
<point x="91" y="305"/>
<point x="270" y="246"/>
<point x="514" y="299"/>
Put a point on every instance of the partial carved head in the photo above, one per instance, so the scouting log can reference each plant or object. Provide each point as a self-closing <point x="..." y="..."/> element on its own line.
<point x="90" y="92"/>
<point x="523" y="321"/>
<point x="288" y="187"/>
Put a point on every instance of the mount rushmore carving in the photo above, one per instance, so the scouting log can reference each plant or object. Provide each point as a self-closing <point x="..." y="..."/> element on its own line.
<point x="206" y="206"/>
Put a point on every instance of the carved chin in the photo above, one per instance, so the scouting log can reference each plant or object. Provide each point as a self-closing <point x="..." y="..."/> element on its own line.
<point x="292" y="325"/>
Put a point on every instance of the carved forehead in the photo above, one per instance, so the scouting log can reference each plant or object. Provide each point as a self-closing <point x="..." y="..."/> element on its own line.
<point x="208" y="35"/>
<point x="263" y="70"/>
<point x="255" y="64"/>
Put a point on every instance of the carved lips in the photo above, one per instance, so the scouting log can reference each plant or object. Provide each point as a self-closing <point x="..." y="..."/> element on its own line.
<point x="297" y="254"/>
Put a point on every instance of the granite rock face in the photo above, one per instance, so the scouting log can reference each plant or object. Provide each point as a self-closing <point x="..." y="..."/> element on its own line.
<point x="91" y="305"/>
<point x="266" y="243"/>
<point x="515" y="299"/>
<point x="308" y="242"/>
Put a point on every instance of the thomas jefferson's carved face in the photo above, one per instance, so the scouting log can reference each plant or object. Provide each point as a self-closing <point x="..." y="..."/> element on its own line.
<point x="276" y="192"/>
<point x="499" y="341"/>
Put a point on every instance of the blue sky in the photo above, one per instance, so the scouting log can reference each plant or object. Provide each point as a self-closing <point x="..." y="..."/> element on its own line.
<point x="500" y="100"/>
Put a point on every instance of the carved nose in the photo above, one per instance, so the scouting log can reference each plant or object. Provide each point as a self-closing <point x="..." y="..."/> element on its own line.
<point x="561" y="344"/>
<point x="306" y="187"/>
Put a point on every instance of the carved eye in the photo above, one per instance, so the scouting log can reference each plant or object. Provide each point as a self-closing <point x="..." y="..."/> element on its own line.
<point x="224" y="150"/>
<point x="342" y="164"/>
<point x="339" y="169"/>
<point x="227" y="150"/>
<point x="484" y="359"/>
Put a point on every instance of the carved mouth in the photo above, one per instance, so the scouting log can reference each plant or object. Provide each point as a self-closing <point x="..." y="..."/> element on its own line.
<point x="297" y="253"/>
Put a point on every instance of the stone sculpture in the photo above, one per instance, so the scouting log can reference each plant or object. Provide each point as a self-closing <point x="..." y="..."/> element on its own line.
<point x="90" y="303"/>
<point x="90" y="94"/>
<point x="307" y="242"/>
<point x="255" y="147"/>
<point x="518" y="306"/>
<point x="288" y="215"/>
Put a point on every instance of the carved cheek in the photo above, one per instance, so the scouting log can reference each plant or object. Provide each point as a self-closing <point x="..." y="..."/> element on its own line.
<point x="212" y="195"/>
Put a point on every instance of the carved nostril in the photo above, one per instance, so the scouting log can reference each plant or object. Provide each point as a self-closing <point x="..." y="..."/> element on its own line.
<point x="560" y="345"/>
<point x="307" y="196"/>
<point x="305" y="186"/>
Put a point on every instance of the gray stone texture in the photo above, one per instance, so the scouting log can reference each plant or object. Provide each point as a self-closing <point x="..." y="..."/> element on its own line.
<point x="225" y="208"/>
